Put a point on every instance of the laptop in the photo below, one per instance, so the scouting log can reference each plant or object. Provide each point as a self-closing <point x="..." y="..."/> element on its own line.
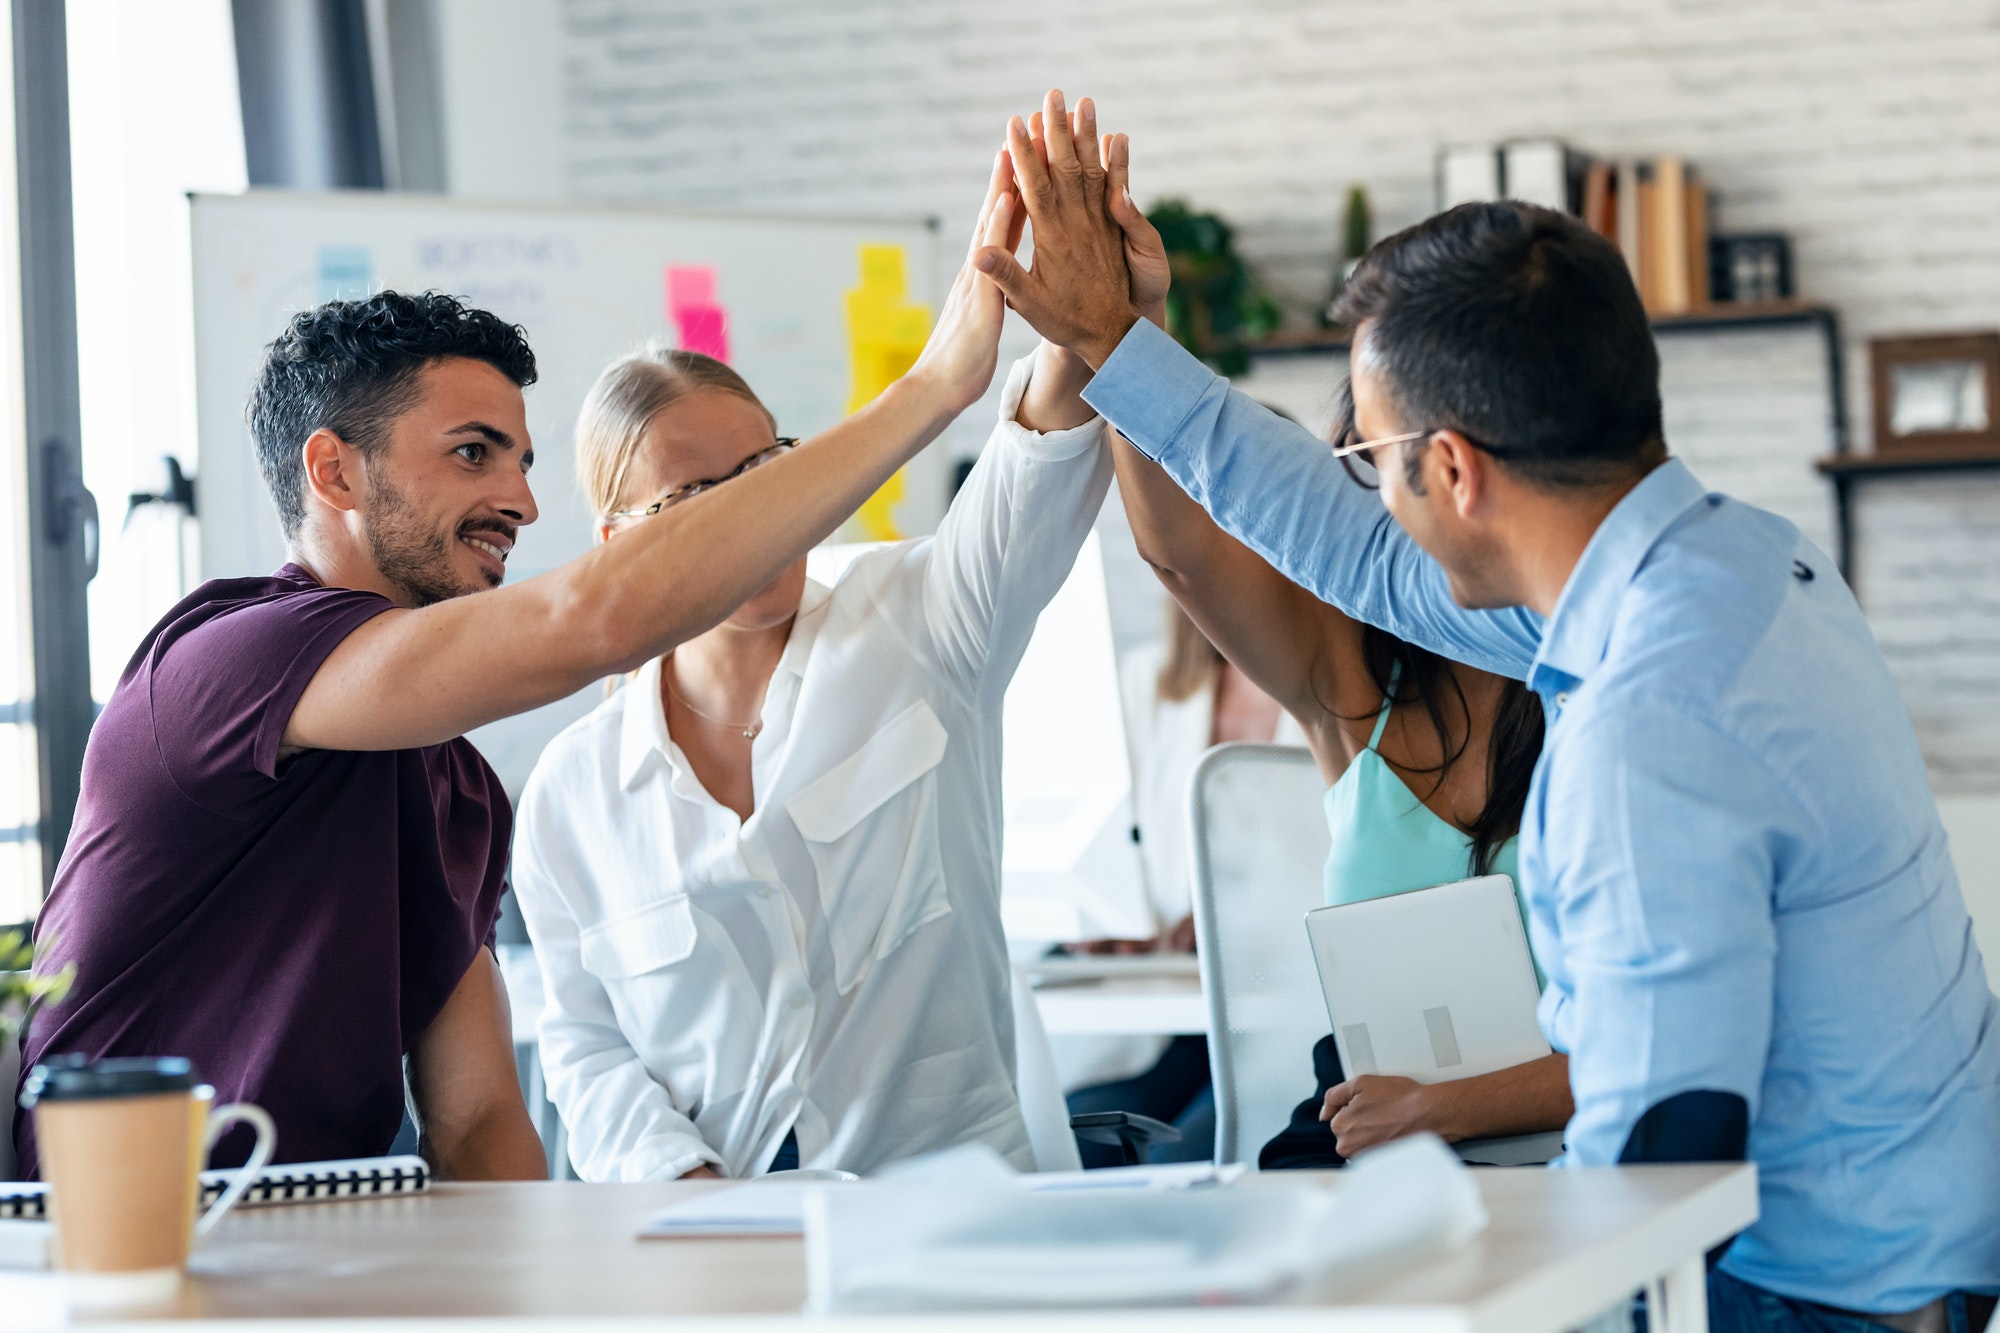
<point x="1433" y="985"/>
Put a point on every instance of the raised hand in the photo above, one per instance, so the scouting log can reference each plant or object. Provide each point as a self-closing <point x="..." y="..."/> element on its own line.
<point x="1145" y="253"/>
<point x="964" y="347"/>
<point x="1079" y="294"/>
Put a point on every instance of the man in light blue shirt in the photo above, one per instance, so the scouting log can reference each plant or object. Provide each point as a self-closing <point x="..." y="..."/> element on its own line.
<point x="1739" y="884"/>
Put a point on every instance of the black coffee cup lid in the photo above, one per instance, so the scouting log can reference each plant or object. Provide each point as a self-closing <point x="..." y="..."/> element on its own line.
<point x="74" y="1078"/>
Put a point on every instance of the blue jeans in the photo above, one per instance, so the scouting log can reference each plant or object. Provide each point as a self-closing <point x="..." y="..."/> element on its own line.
<point x="1738" y="1307"/>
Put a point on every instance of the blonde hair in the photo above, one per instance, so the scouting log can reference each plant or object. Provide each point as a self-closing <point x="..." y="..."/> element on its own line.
<point x="1192" y="661"/>
<point x="631" y="392"/>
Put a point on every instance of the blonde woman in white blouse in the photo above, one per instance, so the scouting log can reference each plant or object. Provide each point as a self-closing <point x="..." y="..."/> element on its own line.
<point x="763" y="878"/>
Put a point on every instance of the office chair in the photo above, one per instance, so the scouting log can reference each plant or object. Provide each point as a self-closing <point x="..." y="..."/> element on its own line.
<point x="1258" y="827"/>
<point x="1259" y="852"/>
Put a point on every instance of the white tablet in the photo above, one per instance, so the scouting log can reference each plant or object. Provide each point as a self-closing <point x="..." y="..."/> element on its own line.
<point x="1432" y="985"/>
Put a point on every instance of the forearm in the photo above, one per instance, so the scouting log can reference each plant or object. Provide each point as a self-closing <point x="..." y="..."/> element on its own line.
<point x="1526" y="1099"/>
<point x="699" y="561"/>
<point x="471" y="1121"/>
<point x="497" y="1143"/>
<point x="1174" y="534"/>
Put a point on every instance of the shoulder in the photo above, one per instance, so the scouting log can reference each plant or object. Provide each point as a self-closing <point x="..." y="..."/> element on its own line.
<point x="1706" y="605"/>
<point x="244" y="622"/>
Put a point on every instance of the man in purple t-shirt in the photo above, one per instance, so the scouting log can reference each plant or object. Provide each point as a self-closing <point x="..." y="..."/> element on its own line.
<point x="287" y="860"/>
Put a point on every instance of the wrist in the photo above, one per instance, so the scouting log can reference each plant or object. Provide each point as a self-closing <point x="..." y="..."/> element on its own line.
<point x="932" y="401"/>
<point x="1443" y="1112"/>
<point x="1054" y="396"/>
<point x="1096" y="347"/>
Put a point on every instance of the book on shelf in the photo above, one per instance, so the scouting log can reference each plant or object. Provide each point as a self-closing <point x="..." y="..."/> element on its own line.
<point x="1655" y="210"/>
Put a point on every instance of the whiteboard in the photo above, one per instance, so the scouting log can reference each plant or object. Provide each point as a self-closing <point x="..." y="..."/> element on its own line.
<point x="588" y="285"/>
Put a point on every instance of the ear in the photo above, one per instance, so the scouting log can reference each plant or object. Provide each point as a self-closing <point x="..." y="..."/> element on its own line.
<point x="1460" y="470"/>
<point x="333" y="470"/>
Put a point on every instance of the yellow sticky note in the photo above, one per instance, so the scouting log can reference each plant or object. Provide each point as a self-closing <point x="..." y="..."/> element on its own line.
<point x="885" y="335"/>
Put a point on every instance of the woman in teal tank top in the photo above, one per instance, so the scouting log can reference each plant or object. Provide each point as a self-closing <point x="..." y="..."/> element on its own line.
<point x="1427" y="764"/>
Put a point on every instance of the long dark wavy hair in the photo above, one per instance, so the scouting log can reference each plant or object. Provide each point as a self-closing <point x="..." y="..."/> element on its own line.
<point x="1427" y="679"/>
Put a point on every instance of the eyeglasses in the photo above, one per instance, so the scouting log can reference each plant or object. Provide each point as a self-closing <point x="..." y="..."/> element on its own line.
<point x="783" y="445"/>
<point x="1363" y="446"/>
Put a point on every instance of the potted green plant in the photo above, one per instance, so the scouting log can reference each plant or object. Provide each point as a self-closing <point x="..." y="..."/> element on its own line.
<point x="1215" y="304"/>
<point x="22" y="989"/>
<point x="1357" y="228"/>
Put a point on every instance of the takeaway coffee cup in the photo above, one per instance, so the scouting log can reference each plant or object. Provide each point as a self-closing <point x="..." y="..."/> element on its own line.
<point x="122" y="1144"/>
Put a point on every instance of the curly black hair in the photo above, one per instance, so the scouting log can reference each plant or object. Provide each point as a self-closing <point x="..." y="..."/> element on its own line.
<point x="351" y="367"/>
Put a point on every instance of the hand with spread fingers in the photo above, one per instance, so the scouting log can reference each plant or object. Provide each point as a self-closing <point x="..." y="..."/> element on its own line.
<point x="958" y="361"/>
<point x="1098" y="265"/>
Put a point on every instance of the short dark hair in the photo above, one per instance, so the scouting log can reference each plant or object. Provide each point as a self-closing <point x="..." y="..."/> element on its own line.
<point x="1520" y="328"/>
<point x="351" y="367"/>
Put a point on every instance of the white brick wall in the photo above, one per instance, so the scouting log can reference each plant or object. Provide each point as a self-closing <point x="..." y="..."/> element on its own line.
<point x="1868" y="129"/>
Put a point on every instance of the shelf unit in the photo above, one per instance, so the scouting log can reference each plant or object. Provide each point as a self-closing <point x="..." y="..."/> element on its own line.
<point x="1846" y="471"/>
<point x="1840" y="467"/>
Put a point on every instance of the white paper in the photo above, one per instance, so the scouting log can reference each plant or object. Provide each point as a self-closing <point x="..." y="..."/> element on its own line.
<point x="911" y="1244"/>
<point x="777" y="1207"/>
<point x="757" y="1208"/>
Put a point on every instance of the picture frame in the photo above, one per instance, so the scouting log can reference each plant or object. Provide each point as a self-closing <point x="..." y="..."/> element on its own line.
<point x="1936" y="394"/>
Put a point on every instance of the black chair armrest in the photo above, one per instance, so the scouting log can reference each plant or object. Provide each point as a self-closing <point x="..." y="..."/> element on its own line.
<point x="1129" y="1132"/>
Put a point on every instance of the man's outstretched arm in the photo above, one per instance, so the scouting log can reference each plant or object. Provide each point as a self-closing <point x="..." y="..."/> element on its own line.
<point x="411" y="678"/>
<point x="1269" y="482"/>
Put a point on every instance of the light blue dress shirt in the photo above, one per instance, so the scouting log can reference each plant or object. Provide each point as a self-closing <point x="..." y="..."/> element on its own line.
<point x="1735" y="870"/>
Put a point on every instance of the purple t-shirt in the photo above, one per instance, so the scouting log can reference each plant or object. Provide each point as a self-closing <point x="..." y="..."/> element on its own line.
<point x="292" y="927"/>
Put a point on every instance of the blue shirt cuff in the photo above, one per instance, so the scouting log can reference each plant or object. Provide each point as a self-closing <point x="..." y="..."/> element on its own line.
<point x="1148" y="387"/>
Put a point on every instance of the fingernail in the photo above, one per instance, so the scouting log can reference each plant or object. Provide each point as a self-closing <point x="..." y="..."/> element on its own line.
<point x="985" y="263"/>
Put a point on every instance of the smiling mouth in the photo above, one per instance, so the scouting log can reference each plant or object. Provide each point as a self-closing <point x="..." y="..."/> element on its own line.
<point x="494" y="549"/>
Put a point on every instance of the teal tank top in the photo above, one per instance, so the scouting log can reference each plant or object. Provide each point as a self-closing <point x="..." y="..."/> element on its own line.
<point x="1386" y="841"/>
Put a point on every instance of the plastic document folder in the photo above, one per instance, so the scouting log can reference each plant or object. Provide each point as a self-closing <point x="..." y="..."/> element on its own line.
<point x="913" y="1244"/>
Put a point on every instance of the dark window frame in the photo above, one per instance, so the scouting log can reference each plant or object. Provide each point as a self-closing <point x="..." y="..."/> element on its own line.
<point x="62" y="517"/>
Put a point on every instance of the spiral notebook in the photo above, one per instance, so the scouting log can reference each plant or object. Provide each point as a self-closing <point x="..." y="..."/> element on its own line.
<point x="296" y="1182"/>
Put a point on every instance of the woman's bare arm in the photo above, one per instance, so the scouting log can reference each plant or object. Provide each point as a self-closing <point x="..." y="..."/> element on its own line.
<point x="1282" y="637"/>
<point x="1530" y="1098"/>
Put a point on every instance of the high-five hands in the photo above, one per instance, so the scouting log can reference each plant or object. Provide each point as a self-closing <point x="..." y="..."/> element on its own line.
<point x="1098" y="266"/>
<point x="958" y="360"/>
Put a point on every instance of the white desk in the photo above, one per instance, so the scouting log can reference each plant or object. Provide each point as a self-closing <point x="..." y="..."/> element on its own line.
<point x="1563" y="1246"/>
<point x="1119" y="995"/>
<point x="1138" y="1007"/>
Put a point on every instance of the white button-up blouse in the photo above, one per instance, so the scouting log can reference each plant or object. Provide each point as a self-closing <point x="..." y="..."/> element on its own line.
<point x="833" y="966"/>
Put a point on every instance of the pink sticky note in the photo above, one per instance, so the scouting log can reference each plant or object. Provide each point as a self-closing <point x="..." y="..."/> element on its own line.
<point x="691" y="305"/>
<point x="689" y="284"/>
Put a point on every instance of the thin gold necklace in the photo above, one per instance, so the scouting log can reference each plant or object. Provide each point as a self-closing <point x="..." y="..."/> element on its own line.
<point x="749" y="729"/>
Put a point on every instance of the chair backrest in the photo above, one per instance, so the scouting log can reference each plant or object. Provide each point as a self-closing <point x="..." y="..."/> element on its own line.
<point x="1259" y="851"/>
<point x="1035" y="1078"/>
